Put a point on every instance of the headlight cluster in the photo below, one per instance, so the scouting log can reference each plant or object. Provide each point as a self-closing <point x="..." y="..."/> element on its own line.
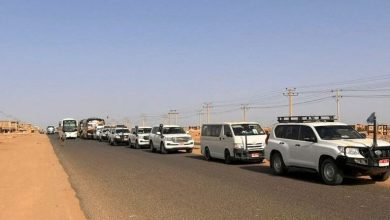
<point x="238" y="145"/>
<point x="352" y="152"/>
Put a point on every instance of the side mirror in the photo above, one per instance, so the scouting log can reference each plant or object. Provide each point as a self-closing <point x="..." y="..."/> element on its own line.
<point x="229" y="134"/>
<point x="363" y="135"/>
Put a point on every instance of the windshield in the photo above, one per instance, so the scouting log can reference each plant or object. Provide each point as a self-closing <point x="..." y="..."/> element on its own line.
<point x="173" y="130"/>
<point x="70" y="126"/>
<point x="337" y="132"/>
<point x="144" y="130"/>
<point x="247" y="129"/>
<point x="122" y="131"/>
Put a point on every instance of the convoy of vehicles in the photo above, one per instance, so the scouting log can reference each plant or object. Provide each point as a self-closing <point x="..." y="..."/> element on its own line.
<point x="139" y="137"/>
<point x="332" y="149"/>
<point x="168" y="138"/>
<point x="233" y="141"/>
<point x="67" y="128"/>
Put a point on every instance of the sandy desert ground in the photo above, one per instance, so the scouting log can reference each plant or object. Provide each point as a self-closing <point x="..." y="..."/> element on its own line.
<point x="33" y="184"/>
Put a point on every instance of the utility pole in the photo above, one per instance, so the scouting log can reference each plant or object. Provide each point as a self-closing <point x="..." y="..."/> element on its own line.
<point x="200" y="114"/>
<point x="338" y="97"/>
<point x="175" y="113"/>
<point x="245" y="108"/>
<point x="290" y="93"/>
<point x="208" y="107"/>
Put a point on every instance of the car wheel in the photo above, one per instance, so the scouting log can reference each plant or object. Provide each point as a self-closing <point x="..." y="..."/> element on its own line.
<point x="381" y="177"/>
<point x="277" y="164"/>
<point x="330" y="173"/>
<point x="152" y="147"/>
<point x="189" y="150"/>
<point x="228" y="158"/>
<point x="162" y="148"/>
<point x="207" y="154"/>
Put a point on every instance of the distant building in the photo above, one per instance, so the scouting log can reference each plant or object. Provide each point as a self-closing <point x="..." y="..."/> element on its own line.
<point x="8" y="126"/>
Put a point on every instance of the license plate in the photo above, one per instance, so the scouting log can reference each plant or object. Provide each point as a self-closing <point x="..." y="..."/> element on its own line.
<point x="384" y="163"/>
<point x="255" y="155"/>
<point x="182" y="143"/>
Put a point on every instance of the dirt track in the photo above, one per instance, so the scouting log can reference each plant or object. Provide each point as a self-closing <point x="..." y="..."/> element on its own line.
<point x="33" y="184"/>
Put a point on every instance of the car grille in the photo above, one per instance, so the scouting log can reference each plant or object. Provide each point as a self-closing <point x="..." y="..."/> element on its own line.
<point x="182" y="139"/>
<point x="384" y="153"/>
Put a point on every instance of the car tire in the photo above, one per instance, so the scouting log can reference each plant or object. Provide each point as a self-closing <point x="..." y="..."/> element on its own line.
<point x="152" y="147"/>
<point x="330" y="173"/>
<point x="162" y="148"/>
<point x="277" y="164"/>
<point x="381" y="177"/>
<point x="189" y="150"/>
<point x="228" y="158"/>
<point x="207" y="154"/>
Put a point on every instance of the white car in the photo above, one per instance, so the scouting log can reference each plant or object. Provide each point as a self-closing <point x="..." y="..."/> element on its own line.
<point x="139" y="137"/>
<point x="233" y="141"/>
<point x="166" y="138"/>
<point x="334" y="150"/>
<point x="96" y="134"/>
<point x="119" y="136"/>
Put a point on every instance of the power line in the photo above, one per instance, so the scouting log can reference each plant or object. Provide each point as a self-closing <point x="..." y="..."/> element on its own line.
<point x="290" y="93"/>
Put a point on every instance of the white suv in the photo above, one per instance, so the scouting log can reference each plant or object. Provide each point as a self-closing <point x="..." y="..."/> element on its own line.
<point x="335" y="150"/>
<point x="167" y="138"/>
<point x="139" y="137"/>
<point x="119" y="136"/>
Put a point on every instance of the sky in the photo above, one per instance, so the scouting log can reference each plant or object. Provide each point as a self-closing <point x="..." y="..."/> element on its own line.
<point x="122" y="59"/>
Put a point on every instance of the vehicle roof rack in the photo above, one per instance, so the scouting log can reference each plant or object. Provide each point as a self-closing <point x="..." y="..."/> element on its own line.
<point x="311" y="118"/>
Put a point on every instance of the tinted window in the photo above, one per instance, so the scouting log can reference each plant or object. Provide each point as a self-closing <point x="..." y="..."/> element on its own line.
<point x="173" y="130"/>
<point x="247" y="129"/>
<point x="279" y="131"/>
<point x="307" y="134"/>
<point x="287" y="131"/>
<point x="226" y="129"/>
<point x="337" y="132"/>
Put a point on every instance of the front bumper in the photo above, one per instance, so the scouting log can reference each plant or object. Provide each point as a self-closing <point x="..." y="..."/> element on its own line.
<point x="179" y="146"/>
<point x="69" y="135"/>
<point x="248" y="154"/>
<point x="350" y="167"/>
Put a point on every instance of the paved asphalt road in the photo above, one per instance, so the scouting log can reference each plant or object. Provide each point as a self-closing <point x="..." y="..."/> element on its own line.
<point x="122" y="183"/>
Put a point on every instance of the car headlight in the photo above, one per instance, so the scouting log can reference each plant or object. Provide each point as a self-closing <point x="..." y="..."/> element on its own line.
<point x="353" y="152"/>
<point x="238" y="145"/>
<point x="117" y="136"/>
<point x="169" y="139"/>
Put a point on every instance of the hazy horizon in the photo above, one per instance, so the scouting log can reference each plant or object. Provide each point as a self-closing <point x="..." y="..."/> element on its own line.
<point x="123" y="59"/>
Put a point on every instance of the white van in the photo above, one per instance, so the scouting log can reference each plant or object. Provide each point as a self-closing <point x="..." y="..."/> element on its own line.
<point x="233" y="141"/>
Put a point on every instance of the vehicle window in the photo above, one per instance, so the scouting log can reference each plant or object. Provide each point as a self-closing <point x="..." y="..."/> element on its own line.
<point x="247" y="129"/>
<point x="307" y="134"/>
<point x="337" y="132"/>
<point x="226" y="129"/>
<point x="173" y="130"/>
<point x="292" y="132"/>
<point x="144" y="130"/>
<point x="122" y="131"/>
<point x="212" y="130"/>
<point x="279" y="131"/>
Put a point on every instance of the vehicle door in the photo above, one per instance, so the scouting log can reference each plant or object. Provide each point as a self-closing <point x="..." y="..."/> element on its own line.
<point x="227" y="139"/>
<point x="288" y="139"/>
<point x="304" y="149"/>
<point x="215" y="141"/>
<point x="154" y="135"/>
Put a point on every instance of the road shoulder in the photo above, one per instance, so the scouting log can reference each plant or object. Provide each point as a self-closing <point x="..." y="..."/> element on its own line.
<point x="33" y="184"/>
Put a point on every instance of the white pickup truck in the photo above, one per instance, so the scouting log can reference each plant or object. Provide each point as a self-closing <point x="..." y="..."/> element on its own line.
<point x="167" y="138"/>
<point x="139" y="137"/>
